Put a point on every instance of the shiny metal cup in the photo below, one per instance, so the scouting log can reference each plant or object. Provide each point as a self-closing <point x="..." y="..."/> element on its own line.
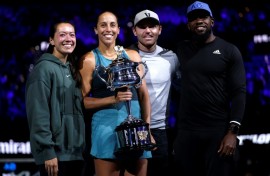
<point x="121" y="72"/>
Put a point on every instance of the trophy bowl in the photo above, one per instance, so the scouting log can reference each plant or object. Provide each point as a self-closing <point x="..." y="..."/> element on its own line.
<point x="121" y="72"/>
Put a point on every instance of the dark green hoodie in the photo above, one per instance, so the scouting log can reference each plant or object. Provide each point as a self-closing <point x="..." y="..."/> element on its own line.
<point x="54" y="111"/>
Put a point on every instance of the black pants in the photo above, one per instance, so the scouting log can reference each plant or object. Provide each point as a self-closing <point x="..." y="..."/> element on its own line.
<point x="196" y="154"/>
<point x="65" y="168"/>
<point x="158" y="165"/>
<point x="89" y="167"/>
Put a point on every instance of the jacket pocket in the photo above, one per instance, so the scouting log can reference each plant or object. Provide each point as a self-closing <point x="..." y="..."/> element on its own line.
<point x="72" y="134"/>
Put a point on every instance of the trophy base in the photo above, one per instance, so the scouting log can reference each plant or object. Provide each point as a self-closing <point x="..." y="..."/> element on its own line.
<point x="135" y="150"/>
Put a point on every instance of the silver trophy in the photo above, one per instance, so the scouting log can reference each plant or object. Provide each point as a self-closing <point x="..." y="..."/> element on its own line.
<point x="132" y="133"/>
<point x="121" y="72"/>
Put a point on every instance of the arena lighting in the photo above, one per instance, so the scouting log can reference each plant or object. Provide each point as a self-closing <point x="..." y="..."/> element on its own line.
<point x="261" y="38"/>
<point x="44" y="45"/>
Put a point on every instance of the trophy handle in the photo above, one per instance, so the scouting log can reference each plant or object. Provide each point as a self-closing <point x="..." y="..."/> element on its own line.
<point x="104" y="69"/>
<point x="145" y="69"/>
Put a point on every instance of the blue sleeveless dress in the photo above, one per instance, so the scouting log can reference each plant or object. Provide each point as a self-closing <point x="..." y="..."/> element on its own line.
<point x="105" y="120"/>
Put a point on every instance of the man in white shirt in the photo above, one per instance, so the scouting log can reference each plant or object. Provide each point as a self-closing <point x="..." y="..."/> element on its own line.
<point x="162" y="66"/>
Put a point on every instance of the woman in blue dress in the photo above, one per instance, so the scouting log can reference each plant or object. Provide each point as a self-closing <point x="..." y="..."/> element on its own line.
<point x="109" y="107"/>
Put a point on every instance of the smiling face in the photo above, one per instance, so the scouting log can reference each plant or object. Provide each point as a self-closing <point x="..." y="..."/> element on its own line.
<point x="200" y="23"/>
<point x="147" y="32"/>
<point x="107" y="28"/>
<point x="64" y="39"/>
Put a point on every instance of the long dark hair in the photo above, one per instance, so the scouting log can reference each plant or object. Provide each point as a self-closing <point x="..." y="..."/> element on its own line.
<point x="72" y="57"/>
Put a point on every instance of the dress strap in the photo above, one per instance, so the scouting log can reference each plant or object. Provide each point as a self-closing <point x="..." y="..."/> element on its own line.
<point x="97" y="57"/>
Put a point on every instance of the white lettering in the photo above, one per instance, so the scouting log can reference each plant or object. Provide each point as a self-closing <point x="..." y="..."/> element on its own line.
<point x="12" y="147"/>
<point x="23" y="173"/>
<point x="255" y="138"/>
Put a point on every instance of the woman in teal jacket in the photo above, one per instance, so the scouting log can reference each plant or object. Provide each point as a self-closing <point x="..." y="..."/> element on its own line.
<point x="54" y="106"/>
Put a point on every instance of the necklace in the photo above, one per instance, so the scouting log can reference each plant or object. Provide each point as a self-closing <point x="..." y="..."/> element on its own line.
<point x="108" y="55"/>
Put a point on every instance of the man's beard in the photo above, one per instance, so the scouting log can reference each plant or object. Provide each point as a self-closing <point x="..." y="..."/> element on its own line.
<point x="201" y="38"/>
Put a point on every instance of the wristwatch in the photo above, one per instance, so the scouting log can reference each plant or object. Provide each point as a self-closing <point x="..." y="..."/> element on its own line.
<point x="234" y="128"/>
